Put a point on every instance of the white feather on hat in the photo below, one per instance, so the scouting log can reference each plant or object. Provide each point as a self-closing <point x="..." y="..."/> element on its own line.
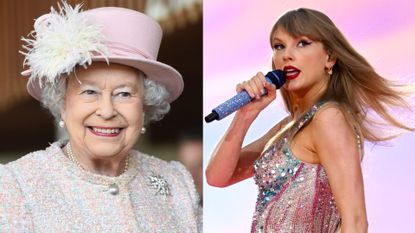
<point x="62" y="40"/>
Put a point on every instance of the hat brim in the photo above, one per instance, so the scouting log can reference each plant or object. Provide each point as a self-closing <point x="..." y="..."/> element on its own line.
<point x="153" y="70"/>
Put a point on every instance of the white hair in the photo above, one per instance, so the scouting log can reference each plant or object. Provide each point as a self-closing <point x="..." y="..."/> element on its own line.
<point x="155" y="99"/>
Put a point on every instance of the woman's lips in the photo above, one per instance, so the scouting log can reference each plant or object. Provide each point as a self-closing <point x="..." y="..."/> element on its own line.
<point x="293" y="76"/>
<point x="291" y="72"/>
<point x="105" y="131"/>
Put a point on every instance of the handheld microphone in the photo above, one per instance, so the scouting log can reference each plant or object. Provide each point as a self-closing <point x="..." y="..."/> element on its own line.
<point x="276" y="77"/>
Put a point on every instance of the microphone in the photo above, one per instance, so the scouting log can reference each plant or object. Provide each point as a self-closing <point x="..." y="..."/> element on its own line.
<point x="276" y="77"/>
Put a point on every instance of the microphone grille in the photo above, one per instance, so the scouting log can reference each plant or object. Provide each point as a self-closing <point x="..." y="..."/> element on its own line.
<point x="277" y="77"/>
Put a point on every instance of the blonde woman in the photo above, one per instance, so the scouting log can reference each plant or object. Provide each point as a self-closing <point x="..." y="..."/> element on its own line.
<point x="307" y="166"/>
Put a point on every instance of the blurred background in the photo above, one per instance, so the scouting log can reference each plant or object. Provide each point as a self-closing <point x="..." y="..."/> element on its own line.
<point x="236" y="46"/>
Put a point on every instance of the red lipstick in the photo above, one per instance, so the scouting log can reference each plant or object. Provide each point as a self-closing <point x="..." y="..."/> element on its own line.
<point x="291" y="72"/>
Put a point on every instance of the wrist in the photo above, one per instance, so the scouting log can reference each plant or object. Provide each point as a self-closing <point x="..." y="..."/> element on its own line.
<point x="247" y="116"/>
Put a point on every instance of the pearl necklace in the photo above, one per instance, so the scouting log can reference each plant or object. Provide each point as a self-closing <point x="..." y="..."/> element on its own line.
<point x="74" y="160"/>
<point x="112" y="188"/>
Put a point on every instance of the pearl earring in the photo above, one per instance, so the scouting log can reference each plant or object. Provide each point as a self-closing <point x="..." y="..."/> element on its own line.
<point x="61" y="123"/>
<point x="143" y="130"/>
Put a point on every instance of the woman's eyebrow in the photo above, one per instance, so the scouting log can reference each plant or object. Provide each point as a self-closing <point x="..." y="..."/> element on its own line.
<point x="276" y="39"/>
<point x="126" y="85"/>
<point x="296" y="38"/>
<point x="84" y="86"/>
<point x="124" y="88"/>
<point x="86" y="83"/>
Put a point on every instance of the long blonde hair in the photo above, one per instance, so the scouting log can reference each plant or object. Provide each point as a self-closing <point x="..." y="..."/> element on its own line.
<point x="354" y="84"/>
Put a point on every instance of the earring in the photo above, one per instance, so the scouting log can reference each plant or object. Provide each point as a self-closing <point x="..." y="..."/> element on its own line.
<point x="61" y="123"/>
<point x="330" y="71"/>
<point x="143" y="130"/>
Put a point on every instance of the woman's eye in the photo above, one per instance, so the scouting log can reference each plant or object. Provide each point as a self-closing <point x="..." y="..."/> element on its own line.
<point x="278" y="46"/>
<point x="89" y="92"/>
<point x="124" y="94"/>
<point x="303" y="43"/>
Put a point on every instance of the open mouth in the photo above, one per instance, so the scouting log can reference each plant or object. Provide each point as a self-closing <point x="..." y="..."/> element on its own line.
<point x="291" y="72"/>
<point x="105" y="131"/>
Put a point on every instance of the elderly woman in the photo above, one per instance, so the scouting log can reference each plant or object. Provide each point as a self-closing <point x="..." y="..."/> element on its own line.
<point x="96" y="71"/>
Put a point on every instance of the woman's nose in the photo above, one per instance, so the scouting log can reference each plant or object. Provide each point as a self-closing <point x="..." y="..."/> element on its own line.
<point x="288" y="54"/>
<point x="106" y="107"/>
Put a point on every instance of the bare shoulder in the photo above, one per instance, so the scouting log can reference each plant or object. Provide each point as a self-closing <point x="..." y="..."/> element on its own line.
<point x="330" y="109"/>
<point x="330" y="117"/>
<point x="332" y="132"/>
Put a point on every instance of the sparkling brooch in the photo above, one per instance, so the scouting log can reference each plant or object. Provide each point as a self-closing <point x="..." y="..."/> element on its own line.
<point x="160" y="184"/>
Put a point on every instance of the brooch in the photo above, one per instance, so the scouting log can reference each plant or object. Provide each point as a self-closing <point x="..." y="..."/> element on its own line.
<point x="160" y="184"/>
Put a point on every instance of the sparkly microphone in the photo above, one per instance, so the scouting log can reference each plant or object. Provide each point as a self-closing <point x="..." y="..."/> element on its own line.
<point x="276" y="77"/>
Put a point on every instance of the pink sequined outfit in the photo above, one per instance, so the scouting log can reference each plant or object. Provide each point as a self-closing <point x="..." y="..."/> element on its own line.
<point x="294" y="196"/>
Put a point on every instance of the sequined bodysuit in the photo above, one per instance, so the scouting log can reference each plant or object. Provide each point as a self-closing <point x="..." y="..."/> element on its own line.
<point x="294" y="196"/>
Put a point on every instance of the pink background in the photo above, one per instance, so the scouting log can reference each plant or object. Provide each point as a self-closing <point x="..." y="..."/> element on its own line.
<point x="236" y="47"/>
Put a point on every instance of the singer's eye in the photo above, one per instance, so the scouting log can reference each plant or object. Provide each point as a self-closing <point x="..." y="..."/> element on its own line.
<point x="303" y="43"/>
<point x="278" y="46"/>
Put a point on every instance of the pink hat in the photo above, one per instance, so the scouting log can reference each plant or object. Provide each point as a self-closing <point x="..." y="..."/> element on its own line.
<point x="127" y="37"/>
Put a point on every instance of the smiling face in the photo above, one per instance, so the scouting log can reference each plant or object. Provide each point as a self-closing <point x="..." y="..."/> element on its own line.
<point x="304" y="60"/>
<point x="103" y="110"/>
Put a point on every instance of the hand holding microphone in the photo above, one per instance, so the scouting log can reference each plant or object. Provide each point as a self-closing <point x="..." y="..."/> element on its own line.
<point x="261" y="92"/>
<point x="248" y="92"/>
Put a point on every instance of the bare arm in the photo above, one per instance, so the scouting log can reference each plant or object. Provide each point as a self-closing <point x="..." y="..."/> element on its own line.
<point x="338" y="153"/>
<point x="229" y="162"/>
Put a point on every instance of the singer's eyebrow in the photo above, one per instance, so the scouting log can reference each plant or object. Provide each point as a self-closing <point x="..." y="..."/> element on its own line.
<point x="276" y="39"/>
